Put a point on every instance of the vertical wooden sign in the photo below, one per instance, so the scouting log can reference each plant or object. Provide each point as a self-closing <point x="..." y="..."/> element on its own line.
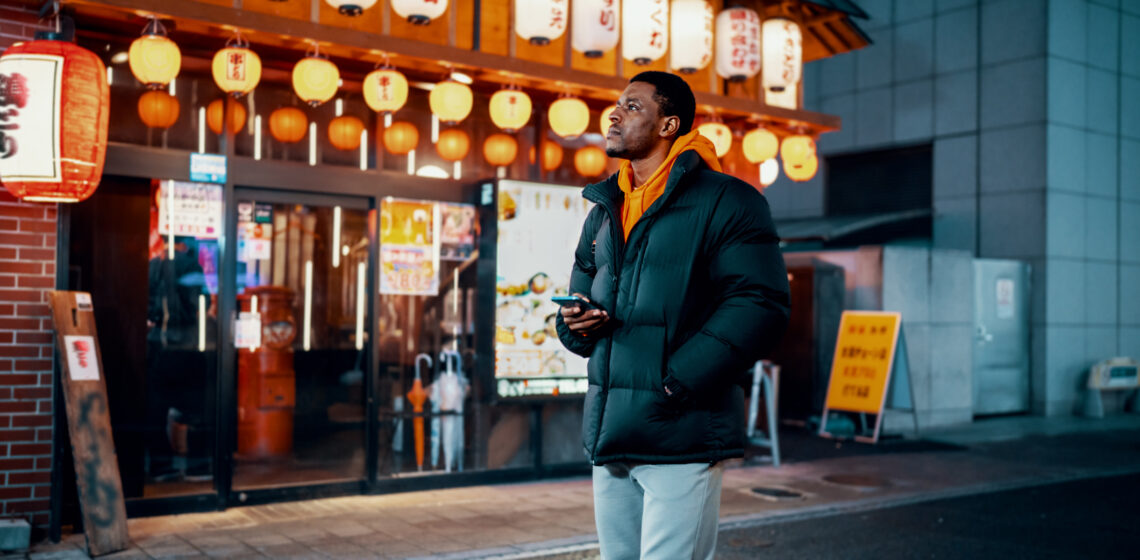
<point x="89" y="423"/>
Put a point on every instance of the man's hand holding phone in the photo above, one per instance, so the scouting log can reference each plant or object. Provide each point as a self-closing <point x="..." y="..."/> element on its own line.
<point x="581" y="315"/>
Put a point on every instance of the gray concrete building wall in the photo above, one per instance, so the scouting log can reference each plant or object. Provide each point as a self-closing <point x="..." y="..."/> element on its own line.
<point x="1033" y="111"/>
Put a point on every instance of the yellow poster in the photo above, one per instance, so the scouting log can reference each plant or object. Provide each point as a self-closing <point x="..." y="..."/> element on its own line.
<point x="409" y="247"/>
<point x="864" y="357"/>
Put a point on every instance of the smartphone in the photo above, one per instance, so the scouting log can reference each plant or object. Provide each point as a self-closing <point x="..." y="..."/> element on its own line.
<point x="573" y="301"/>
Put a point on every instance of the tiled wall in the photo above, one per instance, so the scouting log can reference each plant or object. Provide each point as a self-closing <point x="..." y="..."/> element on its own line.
<point x="1033" y="108"/>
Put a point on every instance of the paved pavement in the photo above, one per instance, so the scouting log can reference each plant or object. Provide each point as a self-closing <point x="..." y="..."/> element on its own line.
<point x="554" y="519"/>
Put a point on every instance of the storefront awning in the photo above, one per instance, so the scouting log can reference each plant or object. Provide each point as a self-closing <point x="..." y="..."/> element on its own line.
<point x="835" y="227"/>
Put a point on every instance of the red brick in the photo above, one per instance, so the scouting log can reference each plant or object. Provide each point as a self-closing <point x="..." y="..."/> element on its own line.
<point x="5" y="392"/>
<point x="7" y="253"/>
<point x="44" y="434"/>
<point x="31" y="254"/>
<point x="46" y="352"/>
<point x="4" y="422"/>
<point x="22" y="464"/>
<point x="29" y="478"/>
<point x="26" y="506"/>
<point x="10" y="224"/>
<point x="9" y="493"/>
<point x="21" y="295"/>
<point x="3" y="446"/>
<point x="35" y="282"/>
<point x="19" y="352"/>
<point x="29" y="338"/>
<point x="43" y="463"/>
<point x="42" y="492"/>
<point x="19" y="324"/>
<point x="49" y="269"/>
<point x="37" y="226"/>
<point x="32" y="365"/>
<point x="30" y="393"/>
<point x="30" y="420"/>
<point x="5" y="365"/>
<point x="23" y="239"/>
<point x="45" y="379"/>
<point x="6" y="310"/>
<point x="21" y="267"/>
<point x="17" y="406"/>
<point x="21" y="449"/>
<point x="16" y="379"/>
<point x="49" y="240"/>
<point x="17" y="435"/>
<point x="22" y="210"/>
<point x="32" y="309"/>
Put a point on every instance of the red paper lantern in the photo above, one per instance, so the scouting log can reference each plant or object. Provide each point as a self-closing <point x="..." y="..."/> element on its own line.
<point x="158" y="109"/>
<point x="453" y="144"/>
<point x="236" y="112"/>
<point x="401" y="138"/>
<point x="590" y="161"/>
<point x="288" y="124"/>
<point x="500" y="149"/>
<point x="61" y="88"/>
<point x="551" y="155"/>
<point x="344" y="132"/>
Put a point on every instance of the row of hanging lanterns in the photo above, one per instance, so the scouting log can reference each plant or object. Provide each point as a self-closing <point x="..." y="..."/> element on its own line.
<point x="761" y="146"/>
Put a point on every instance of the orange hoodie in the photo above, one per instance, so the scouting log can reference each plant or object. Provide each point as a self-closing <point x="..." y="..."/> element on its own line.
<point x="639" y="199"/>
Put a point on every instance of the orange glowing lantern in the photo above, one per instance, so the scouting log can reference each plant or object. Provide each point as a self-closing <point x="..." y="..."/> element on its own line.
<point x="288" y="124"/>
<point x="315" y="79"/>
<point x="344" y="132"/>
<point x="510" y="109"/>
<point x="385" y="90"/>
<point x="236" y="112"/>
<point x="154" y="59"/>
<point x="158" y="109"/>
<point x="569" y="117"/>
<point x="590" y="161"/>
<point x="236" y="69"/>
<point x="500" y="149"/>
<point x="451" y="101"/>
<point x="54" y="137"/>
<point x="760" y="145"/>
<point x="796" y="149"/>
<point x="551" y="155"/>
<point x="401" y="138"/>
<point x="453" y="144"/>
<point x="604" y="122"/>
<point x="719" y="134"/>
<point x="802" y="170"/>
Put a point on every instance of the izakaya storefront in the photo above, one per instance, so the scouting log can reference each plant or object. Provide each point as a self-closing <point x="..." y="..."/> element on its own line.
<point x="337" y="279"/>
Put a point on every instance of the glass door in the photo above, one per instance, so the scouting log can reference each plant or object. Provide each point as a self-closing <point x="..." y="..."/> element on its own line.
<point x="300" y="336"/>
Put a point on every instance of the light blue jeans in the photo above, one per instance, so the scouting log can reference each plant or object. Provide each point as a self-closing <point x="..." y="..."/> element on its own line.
<point x="657" y="512"/>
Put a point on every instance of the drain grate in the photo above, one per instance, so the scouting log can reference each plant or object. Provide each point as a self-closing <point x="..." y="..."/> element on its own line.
<point x="777" y="493"/>
<point x="860" y="480"/>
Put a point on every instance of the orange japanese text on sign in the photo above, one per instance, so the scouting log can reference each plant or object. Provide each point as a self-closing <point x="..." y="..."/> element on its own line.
<point x="864" y="355"/>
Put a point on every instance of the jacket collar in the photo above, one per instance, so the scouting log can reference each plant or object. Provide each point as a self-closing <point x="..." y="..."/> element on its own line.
<point x="608" y="194"/>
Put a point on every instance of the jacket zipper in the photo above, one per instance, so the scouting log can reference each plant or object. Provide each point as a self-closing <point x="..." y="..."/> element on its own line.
<point x="619" y="238"/>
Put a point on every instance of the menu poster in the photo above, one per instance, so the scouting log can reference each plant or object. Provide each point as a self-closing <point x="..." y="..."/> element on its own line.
<point x="457" y="231"/>
<point x="255" y="231"/>
<point x="409" y="247"/>
<point x="539" y="226"/>
<point x="194" y="209"/>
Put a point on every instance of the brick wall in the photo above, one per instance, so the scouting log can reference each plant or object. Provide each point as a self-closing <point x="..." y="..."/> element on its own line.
<point x="27" y="273"/>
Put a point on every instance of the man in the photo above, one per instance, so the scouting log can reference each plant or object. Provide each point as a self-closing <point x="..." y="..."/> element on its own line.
<point x="681" y="266"/>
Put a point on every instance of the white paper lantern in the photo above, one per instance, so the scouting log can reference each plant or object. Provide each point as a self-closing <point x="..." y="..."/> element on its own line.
<point x="351" y="8"/>
<point x="769" y="171"/>
<point x="783" y="54"/>
<point x="691" y="35"/>
<point x="419" y="12"/>
<point x="645" y="30"/>
<point x="595" y="28"/>
<point x="737" y="44"/>
<point x="541" y="21"/>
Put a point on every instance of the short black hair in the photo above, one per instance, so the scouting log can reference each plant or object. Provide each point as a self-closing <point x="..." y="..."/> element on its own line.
<point x="674" y="97"/>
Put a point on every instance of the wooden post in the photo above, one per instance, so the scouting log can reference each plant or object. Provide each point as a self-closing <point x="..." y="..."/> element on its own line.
<point x="89" y="422"/>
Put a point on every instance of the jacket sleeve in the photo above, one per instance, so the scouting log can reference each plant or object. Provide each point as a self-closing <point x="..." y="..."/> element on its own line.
<point x="581" y="279"/>
<point x="753" y="307"/>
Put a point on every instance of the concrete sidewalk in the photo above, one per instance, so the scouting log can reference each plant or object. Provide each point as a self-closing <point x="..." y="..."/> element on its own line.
<point x="554" y="519"/>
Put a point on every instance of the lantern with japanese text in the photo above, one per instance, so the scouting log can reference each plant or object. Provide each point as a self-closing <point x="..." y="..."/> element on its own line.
<point x="419" y="12"/>
<point x="453" y="144"/>
<point x="797" y="148"/>
<point x="719" y="134"/>
<point x="510" y="109"/>
<point x="691" y="36"/>
<point x="158" y="109"/>
<point x="800" y="171"/>
<point x="451" y="101"/>
<point x="541" y="21"/>
<point x="590" y="161"/>
<point x="344" y="132"/>
<point x="288" y="124"/>
<point x="551" y="155"/>
<point x="604" y="122"/>
<point x="645" y="30"/>
<point x="235" y="111"/>
<point x="569" y="117"/>
<point x="769" y="172"/>
<point x="385" y="90"/>
<point x="595" y="28"/>
<point x="500" y="149"/>
<point x="55" y="100"/>
<point x="351" y="8"/>
<point x="153" y="58"/>
<point x="737" y="44"/>
<point x="783" y="54"/>
<point x="760" y="145"/>
<point x="315" y="79"/>
<point x="236" y="69"/>
<point x="401" y="138"/>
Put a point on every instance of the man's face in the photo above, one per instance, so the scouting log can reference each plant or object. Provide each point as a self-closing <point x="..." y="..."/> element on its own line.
<point x="636" y="124"/>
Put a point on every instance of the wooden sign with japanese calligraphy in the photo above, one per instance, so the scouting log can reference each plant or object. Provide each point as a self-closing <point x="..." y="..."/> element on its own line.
<point x="865" y="357"/>
<point x="89" y="424"/>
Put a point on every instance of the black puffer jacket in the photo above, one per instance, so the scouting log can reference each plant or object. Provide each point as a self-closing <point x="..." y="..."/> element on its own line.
<point x="697" y="294"/>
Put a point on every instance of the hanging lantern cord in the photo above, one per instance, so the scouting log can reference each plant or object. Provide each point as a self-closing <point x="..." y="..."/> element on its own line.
<point x="154" y="27"/>
<point x="237" y="40"/>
